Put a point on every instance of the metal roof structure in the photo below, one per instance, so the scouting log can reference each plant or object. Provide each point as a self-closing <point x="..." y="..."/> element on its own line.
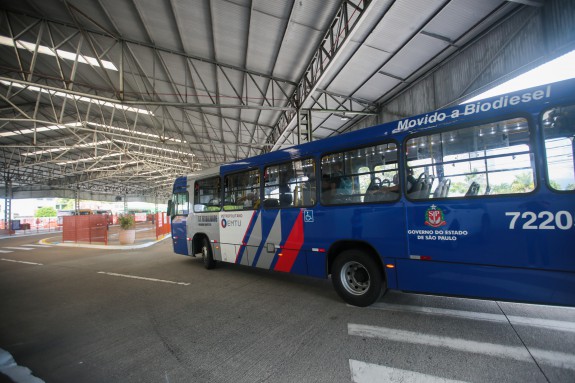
<point x="121" y="96"/>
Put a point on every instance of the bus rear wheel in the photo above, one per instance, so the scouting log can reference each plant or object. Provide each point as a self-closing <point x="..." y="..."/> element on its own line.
<point x="357" y="278"/>
<point x="207" y="255"/>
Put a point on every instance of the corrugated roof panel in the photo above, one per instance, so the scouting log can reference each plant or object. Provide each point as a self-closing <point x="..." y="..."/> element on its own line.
<point x="203" y="76"/>
<point x="230" y="24"/>
<point x="195" y="26"/>
<point x="266" y="34"/>
<point x="125" y="20"/>
<point x="230" y="83"/>
<point x="315" y="14"/>
<point x="415" y="54"/>
<point x="158" y="20"/>
<point x="310" y="19"/>
<point x="458" y="16"/>
<point x="395" y="29"/>
<point x="377" y="86"/>
<point x="280" y="9"/>
<point x="294" y="55"/>
<point x="359" y="69"/>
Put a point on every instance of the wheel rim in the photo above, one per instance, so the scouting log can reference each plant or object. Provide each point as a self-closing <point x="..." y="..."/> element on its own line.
<point x="205" y="253"/>
<point x="355" y="278"/>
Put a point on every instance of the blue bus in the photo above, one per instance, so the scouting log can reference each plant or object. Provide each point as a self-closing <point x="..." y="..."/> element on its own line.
<point x="476" y="200"/>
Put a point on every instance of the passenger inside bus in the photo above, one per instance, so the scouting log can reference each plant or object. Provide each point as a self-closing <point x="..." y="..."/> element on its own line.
<point x="328" y="189"/>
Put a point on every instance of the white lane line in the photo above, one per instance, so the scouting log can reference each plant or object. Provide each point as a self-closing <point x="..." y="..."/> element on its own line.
<point x="544" y="323"/>
<point x="18" y="248"/>
<point x="143" y="278"/>
<point x="6" y="251"/>
<point x="39" y="245"/>
<point x="499" y="318"/>
<point x="24" y="262"/>
<point x="362" y="372"/>
<point x="552" y="358"/>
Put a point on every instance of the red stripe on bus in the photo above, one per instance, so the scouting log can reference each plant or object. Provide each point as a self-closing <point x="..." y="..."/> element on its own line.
<point x="292" y="246"/>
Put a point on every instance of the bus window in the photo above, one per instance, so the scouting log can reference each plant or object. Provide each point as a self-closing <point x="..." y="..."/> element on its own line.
<point x="290" y="185"/>
<point x="180" y="203"/>
<point x="207" y="195"/>
<point x="242" y="191"/>
<point x="361" y="175"/>
<point x="494" y="158"/>
<point x="559" y="133"/>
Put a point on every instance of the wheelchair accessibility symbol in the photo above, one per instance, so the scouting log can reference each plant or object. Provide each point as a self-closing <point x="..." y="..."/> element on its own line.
<point x="308" y="215"/>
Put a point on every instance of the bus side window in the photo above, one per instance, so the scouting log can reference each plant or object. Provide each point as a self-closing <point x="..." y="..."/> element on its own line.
<point x="242" y="191"/>
<point x="207" y="195"/>
<point x="559" y="134"/>
<point x="362" y="175"/>
<point x="489" y="159"/>
<point x="291" y="184"/>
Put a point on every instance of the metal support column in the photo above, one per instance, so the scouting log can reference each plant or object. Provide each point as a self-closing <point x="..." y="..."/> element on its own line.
<point x="304" y="127"/>
<point x="77" y="200"/>
<point x="8" y="204"/>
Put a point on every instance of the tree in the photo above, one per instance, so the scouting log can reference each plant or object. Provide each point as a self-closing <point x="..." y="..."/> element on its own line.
<point x="46" y="212"/>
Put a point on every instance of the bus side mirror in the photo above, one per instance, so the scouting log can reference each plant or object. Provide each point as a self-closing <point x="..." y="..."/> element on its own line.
<point x="170" y="207"/>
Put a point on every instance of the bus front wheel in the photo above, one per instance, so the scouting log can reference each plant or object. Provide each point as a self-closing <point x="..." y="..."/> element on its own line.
<point x="207" y="255"/>
<point x="357" y="278"/>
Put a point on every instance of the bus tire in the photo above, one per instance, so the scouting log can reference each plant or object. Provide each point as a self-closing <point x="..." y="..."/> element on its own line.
<point x="357" y="278"/>
<point x="207" y="256"/>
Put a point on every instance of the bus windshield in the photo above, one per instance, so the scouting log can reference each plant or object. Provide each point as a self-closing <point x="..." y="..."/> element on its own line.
<point x="180" y="203"/>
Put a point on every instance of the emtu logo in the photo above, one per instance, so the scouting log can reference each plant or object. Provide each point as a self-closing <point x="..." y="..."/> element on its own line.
<point x="224" y="223"/>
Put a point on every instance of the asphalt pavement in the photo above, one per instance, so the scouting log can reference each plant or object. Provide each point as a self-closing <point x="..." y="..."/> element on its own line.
<point x="72" y="314"/>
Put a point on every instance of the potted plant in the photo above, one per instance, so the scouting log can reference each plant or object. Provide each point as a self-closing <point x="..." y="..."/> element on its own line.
<point x="127" y="229"/>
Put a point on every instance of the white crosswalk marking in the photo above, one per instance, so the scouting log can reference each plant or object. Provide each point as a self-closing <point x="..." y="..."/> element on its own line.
<point x="39" y="245"/>
<point x="6" y="251"/>
<point x="362" y="372"/>
<point x="519" y="353"/>
<point x="18" y="248"/>
<point x="473" y="315"/>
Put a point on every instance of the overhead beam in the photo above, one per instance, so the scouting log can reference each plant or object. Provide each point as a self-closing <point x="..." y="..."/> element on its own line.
<point x="337" y="37"/>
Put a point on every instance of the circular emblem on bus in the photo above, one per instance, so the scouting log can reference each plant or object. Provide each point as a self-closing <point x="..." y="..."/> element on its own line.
<point x="224" y="223"/>
<point x="434" y="217"/>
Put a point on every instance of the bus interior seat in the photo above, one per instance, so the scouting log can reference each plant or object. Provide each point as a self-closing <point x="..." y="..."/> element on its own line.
<point x="285" y="200"/>
<point x="426" y="190"/>
<point x="473" y="189"/>
<point x="271" y="202"/>
<point x="422" y="186"/>
<point x="417" y="187"/>
<point x="442" y="189"/>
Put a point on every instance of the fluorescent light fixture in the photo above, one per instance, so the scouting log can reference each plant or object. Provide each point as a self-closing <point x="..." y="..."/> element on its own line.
<point x="143" y="134"/>
<point x="113" y="166"/>
<point x="61" y="149"/>
<point x="89" y="159"/>
<point x="76" y="97"/>
<point x="39" y="129"/>
<point x="155" y="148"/>
<point x="57" y="52"/>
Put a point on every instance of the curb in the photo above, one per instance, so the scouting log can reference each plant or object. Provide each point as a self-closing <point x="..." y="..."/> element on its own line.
<point x="108" y="247"/>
